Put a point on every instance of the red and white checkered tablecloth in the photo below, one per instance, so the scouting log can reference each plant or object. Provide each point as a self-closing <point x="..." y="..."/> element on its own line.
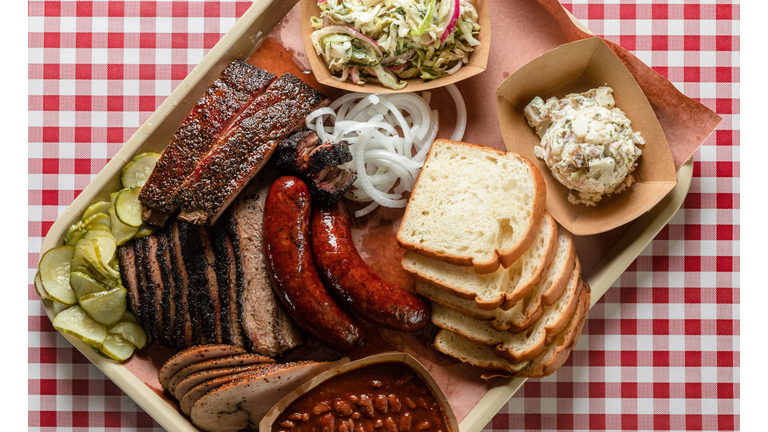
<point x="659" y="352"/>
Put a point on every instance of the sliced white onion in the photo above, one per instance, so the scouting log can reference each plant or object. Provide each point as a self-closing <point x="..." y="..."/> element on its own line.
<point x="461" y="112"/>
<point x="389" y="136"/>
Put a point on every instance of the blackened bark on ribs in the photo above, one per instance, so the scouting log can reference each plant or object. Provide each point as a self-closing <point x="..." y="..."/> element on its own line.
<point x="184" y="333"/>
<point x="230" y="94"/>
<point x="168" y="306"/>
<point x="242" y="151"/>
<point x="127" y="260"/>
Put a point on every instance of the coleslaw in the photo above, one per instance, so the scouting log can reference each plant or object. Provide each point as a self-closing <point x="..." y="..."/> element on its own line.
<point x="393" y="40"/>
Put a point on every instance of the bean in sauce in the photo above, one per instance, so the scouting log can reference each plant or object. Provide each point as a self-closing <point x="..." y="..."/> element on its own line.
<point x="385" y="397"/>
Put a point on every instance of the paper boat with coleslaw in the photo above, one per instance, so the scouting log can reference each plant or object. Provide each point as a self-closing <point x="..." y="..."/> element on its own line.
<point x="478" y="58"/>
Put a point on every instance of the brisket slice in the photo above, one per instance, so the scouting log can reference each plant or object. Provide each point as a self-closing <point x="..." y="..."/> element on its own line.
<point x="226" y="277"/>
<point x="164" y="250"/>
<point x="223" y="101"/>
<point x="186" y="328"/>
<point x="127" y="259"/>
<point x="209" y="298"/>
<point x="194" y="261"/>
<point x="266" y="327"/>
<point x="155" y="287"/>
<point x="146" y="289"/>
<point x="242" y="151"/>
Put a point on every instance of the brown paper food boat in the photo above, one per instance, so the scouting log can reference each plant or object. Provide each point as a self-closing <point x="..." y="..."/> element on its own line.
<point x="574" y="68"/>
<point x="450" y="419"/>
<point x="478" y="60"/>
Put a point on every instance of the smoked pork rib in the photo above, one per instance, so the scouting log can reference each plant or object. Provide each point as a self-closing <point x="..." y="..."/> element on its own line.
<point x="236" y="87"/>
<point x="245" y="147"/>
<point x="266" y="327"/>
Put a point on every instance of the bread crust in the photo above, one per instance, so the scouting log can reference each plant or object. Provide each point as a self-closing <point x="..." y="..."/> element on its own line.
<point x="468" y="312"/>
<point x="534" y="307"/>
<point x="522" y="290"/>
<point x="502" y="258"/>
<point x="560" y="354"/>
<point x="507" y="258"/>
<point x="502" y="368"/>
<point x="553" y="294"/>
<point x="549" y="331"/>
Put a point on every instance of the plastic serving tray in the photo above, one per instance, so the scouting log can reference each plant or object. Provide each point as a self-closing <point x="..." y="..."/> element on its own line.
<point x="239" y="43"/>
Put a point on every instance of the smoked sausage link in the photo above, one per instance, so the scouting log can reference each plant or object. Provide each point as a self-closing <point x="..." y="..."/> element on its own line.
<point x="292" y="272"/>
<point x="352" y="281"/>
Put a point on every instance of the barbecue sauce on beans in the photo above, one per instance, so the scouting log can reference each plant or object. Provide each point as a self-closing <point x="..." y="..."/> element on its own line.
<point x="385" y="397"/>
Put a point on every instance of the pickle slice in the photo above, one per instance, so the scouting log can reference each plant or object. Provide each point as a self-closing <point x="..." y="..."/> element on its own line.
<point x="59" y="307"/>
<point x="117" y="348"/>
<point x="105" y="307"/>
<point x="145" y="230"/>
<point x="75" y="321"/>
<point x="39" y="287"/>
<point x="121" y="231"/>
<point x="137" y="171"/>
<point x="131" y="332"/>
<point x="97" y="218"/>
<point x="84" y="284"/>
<point x="89" y="250"/>
<point x="74" y="232"/>
<point x="128" y="208"/>
<point x="99" y="207"/>
<point x="54" y="274"/>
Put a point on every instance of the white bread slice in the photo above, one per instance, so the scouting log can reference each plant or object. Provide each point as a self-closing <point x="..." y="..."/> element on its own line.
<point x="523" y="314"/>
<point x="487" y="290"/>
<point x="545" y="364"/>
<point x="444" y="298"/>
<point x="473" y="206"/>
<point x="479" y="355"/>
<point x="557" y="352"/>
<point x="554" y="281"/>
<point x="502" y="288"/>
<point x="527" y="270"/>
<point x="515" y="347"/>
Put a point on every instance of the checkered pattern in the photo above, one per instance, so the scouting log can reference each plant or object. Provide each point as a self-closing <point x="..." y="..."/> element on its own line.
<point x="659" y="352"/>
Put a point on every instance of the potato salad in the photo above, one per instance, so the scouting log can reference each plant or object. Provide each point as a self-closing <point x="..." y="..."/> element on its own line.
<point x="586" y="142"/>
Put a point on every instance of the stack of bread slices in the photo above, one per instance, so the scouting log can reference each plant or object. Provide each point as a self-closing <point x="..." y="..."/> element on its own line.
<point x="503" y="277"/>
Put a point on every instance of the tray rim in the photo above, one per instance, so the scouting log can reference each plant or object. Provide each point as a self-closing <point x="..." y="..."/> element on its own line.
<point x="630" y="245"/>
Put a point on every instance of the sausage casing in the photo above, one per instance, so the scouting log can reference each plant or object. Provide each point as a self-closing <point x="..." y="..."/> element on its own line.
<point x="348" y="277"/>
<point x="293" y="273"/>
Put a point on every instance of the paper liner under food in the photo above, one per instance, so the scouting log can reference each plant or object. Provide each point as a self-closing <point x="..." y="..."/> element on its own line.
<point x="523" y="30"/>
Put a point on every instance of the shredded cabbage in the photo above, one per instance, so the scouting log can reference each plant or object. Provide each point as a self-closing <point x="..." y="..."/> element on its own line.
<point x="393" y="40"/>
